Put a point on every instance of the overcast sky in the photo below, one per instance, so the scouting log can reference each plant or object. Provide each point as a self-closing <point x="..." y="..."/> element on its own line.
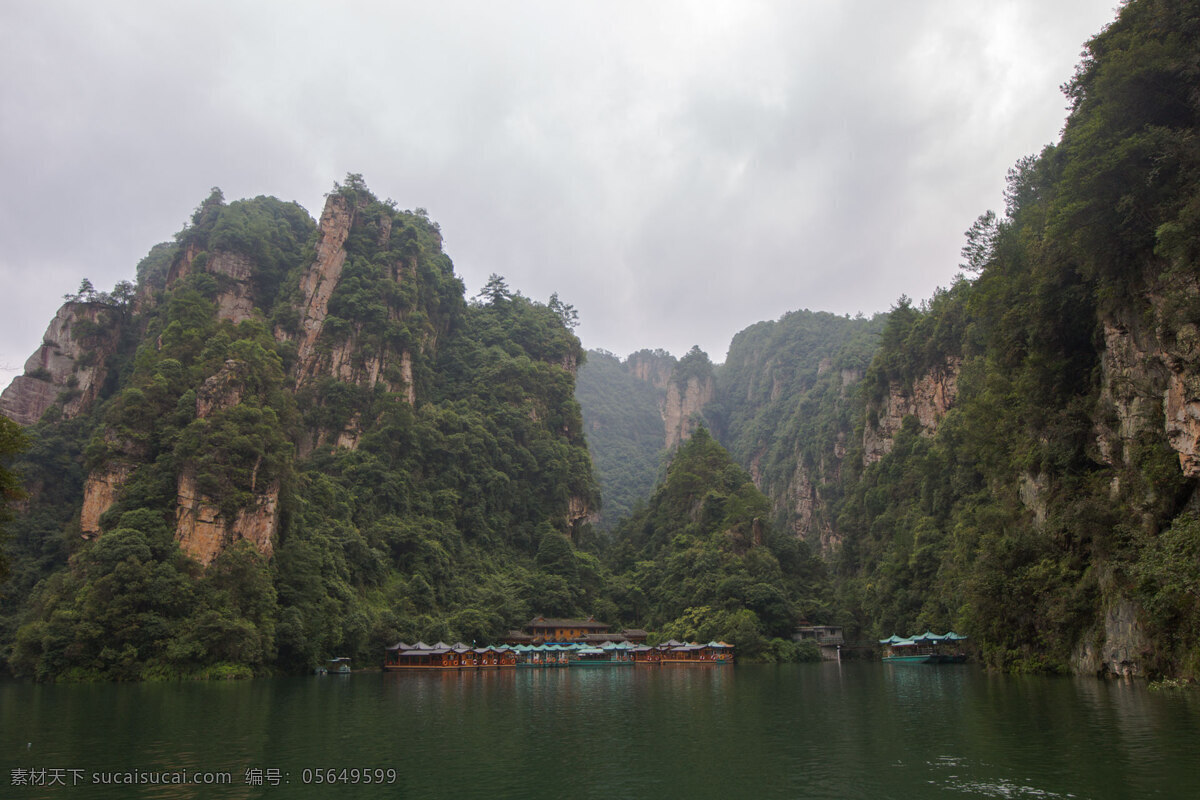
<point x="677" y="171"/>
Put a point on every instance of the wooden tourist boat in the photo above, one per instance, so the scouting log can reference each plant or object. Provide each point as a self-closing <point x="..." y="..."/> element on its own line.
<point x="602" y="657"/>
<point x="543" y="655"/>
<point x="403" y="656"/>
<point x="646" y="656"/>
<point x="711" y="654"/>
<point x="927" y="648"/>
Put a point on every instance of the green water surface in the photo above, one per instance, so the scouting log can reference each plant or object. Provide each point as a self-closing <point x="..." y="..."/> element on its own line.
<point x="856" y="730"/>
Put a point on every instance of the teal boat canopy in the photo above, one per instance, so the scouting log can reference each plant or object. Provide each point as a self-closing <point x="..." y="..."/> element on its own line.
<point x="928" y="637"/>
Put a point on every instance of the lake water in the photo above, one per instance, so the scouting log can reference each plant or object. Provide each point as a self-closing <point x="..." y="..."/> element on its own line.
<point x="855" y="730"/>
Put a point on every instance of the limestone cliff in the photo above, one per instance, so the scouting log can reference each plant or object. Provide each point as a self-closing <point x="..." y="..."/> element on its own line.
<point x="1118" y="644"/>
<point x="1151" y="381"/>
<point x="203" y="531"/>
<point x="70" y="366"/>
<point x="800" y="483"/>
<point x="351" y="354"/>
<point x="684" y="387"/>
<point x="100" y="491"/>
<point x="928" y="399"/>
<point x="357" y="303"/>
<point x="652" y="366"/>
<point x="321" y="278"/>
<point x="683" y="407"/>
<point x="235" y="296"/>
<point x="305" y="437"/>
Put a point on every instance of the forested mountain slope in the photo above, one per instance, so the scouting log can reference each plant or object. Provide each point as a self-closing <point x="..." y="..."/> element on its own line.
<point x="622" y="419"/>
<point x="637" y="411"/>
<point x="1031" y="433"/>
<point x="1018" y="456"/>
<point x="788" y="403"/>
<point x="701" y="560"/>
<point x="291" y="441"/>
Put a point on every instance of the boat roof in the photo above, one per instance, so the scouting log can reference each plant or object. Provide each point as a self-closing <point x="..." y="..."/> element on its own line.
<point x="925" y="638"/>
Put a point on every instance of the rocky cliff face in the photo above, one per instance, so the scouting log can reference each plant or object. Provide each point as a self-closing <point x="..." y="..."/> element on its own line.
<point x="682" y="408"/>
<point x="201" y="528"/>
<point x="1118" y="644"/>
<point x="798" y="498"/>
<point x="1151" y="382"/>
<point x="235" y="298"/>
<point x="681" y="401"/>
<point x="70" y="366"/>
<point x="346" y="360"/>
<point x="652" y="367"/>
<point x="319" y="281"/>
<point x="928" y="399"/>
<point x="203" y="532"/>
<point x="1180" y="355"/>
<point x="353" y="356"/>
<point x="100" y="491"/>
<point x="371" y="293"/>
<point x="802" y="502"/>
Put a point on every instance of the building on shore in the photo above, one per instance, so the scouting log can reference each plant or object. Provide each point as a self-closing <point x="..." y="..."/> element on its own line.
<point x="827" y="637"/>
<point x="544" y="630"/>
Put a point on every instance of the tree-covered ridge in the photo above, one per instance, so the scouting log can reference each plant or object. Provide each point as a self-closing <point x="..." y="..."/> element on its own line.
<point x="1042" y="503"/>
<point x="1016" y="456"/>
<point x="702" y="561"/>
<point x="788" y="402"/>
<point x="624" y="430"/>
<point x="397" y="463"/>
<point x="12" y="442"/>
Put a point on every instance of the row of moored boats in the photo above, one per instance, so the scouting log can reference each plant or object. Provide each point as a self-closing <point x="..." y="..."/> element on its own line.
<point x="402" y="656"/>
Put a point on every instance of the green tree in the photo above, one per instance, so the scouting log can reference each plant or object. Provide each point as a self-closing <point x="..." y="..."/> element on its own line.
<point x="12" y="443"/>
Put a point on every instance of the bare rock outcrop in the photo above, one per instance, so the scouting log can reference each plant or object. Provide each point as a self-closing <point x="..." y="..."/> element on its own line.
<point x="235" y="298"/>
<point x="100" y="491"/>
<point x="654" y="368"/>
<point x="809" y="522"/>
<point x="319" y="281"/>
<point x="1131" y="390"/>
<point x="203" y="532"/>
<point x="1151" y="383"/>
<point x="1117" y="647"/>
<point x="1181" y="404"/>
<point x="201" y="528"/>
<point x="69" y="367"/>
<point x="928" y="399"/>
<point x="682" y="407"/>
<point x="221" y="390"/>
